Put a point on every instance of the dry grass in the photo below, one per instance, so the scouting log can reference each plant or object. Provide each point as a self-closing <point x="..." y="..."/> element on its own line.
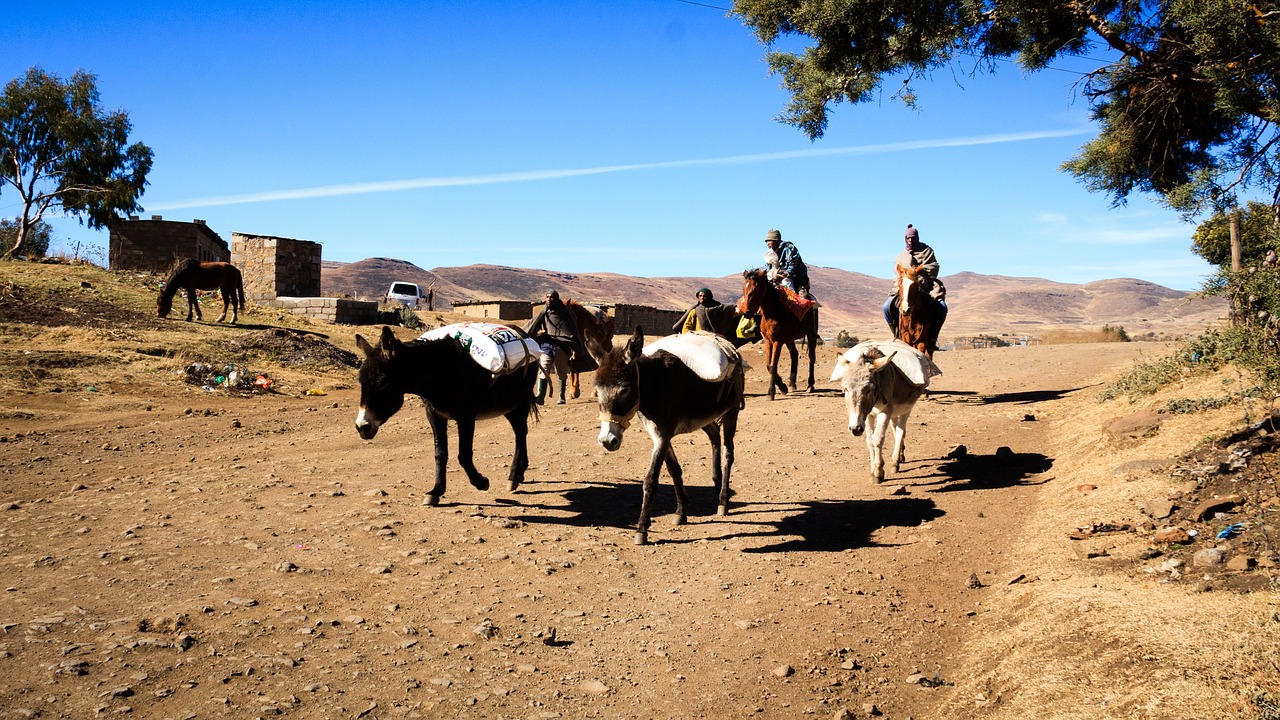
<point x="1072" y="337"/>
<point x="1151" y="647"/>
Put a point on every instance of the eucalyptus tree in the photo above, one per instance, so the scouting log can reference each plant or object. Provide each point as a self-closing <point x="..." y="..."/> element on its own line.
<point x="59" y="150"/>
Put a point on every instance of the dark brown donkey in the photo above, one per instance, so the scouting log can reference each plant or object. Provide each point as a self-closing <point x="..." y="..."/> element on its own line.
<point x="452" y="387"/>
<point x="192" y="275"/>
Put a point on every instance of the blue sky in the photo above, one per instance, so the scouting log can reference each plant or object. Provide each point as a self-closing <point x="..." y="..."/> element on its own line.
<point x="636" y="138"/>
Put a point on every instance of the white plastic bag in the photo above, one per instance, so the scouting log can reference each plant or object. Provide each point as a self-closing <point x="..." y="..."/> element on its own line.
<point x="708" y="355"/>
<point x="500" y="349"/>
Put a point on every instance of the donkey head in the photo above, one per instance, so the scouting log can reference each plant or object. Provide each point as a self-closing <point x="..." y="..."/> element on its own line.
<point x="380" y="394"/>
<point x="618" y="390"/>
<point x="859" y="373"/>
<point x="164" y="305"/>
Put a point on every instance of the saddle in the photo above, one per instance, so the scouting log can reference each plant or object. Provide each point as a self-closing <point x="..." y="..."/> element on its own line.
<point x="797" y="304"/>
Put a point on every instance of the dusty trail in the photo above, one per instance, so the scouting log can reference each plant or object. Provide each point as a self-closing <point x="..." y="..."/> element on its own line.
<point x="192" y="555"/>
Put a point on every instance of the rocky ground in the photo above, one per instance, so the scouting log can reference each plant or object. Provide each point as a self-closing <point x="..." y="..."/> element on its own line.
<point x="171" y="551"/>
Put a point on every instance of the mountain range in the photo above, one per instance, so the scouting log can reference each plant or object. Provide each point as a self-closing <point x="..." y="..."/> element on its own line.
<point x="979" y="304"/>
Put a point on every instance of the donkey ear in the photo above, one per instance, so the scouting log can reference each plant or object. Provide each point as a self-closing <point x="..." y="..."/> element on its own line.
<point x="635" y="346"/>
<point x="388" y="342"/>
<point x="841" y="369"/>
<point x="880" y="364"/>
<point x="364" y="346"/>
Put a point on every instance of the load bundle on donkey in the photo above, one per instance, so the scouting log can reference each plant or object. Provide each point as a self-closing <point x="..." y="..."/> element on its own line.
<point x="464" y="373"/>
<point x="679" y="384"/>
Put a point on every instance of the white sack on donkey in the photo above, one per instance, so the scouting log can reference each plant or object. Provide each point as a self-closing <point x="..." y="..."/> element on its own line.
<point x="708" y="355"/>
<point x="500" y="349"/>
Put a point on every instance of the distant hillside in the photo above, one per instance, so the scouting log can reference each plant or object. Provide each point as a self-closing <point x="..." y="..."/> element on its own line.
<point x="980" y="304"/>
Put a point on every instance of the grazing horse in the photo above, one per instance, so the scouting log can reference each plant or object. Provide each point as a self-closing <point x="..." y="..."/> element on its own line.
<point x="192" y="275"/>
<point x="453" y="387"/>
<point x="779" y="326"/>
<point x="876" y="388"/>
<point x="918" y="314"/>
<point x="596" y="327"/>
<point x="670" y="399"/>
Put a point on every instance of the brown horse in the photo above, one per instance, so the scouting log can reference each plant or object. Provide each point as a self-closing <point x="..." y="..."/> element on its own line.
<point x="918" y="314"/>
<point x="596" y="327"/>
<point x="779" y="326"/>
<point x="192" y="275"/>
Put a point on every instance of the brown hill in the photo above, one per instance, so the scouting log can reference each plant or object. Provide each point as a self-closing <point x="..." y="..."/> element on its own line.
<point x="980" y="304"/>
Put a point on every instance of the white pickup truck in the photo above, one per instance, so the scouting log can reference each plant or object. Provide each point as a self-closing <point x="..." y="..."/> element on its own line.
<point x="405" y="293"/>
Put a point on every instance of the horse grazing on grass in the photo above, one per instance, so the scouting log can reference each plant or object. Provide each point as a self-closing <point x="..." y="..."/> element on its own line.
<point x="878" y="390"/>
<point x="596" y="327"/>
<point x="453" y="387"/>
<point x="779" y="326"/>
<point x="919" y="316"/>
<point x="670" y="399"/>
<point x="192" y="275"/>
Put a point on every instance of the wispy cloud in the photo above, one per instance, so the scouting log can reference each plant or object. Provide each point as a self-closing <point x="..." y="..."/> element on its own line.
<point x="560" y="174"/>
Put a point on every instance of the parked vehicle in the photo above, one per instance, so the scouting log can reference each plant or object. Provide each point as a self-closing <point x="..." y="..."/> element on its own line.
<point x="405" y="293"/>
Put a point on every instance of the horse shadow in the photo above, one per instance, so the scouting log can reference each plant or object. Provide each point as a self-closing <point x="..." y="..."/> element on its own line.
<point x="990" y="472"/>
<point x="818" y="526"/>
<point x="1017" y="398"/>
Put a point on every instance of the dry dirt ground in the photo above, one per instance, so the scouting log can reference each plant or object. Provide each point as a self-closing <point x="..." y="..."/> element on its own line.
<point x="167" y="551"/>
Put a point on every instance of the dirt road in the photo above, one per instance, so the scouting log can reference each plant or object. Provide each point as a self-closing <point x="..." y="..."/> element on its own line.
<point x="176" y="553"/>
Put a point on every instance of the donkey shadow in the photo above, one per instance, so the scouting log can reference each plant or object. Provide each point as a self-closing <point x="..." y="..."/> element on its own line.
<point x="814" y="526"/>
<point x="990" y="472"/>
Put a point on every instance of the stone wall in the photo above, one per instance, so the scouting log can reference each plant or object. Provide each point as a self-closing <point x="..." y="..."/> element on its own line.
<point x="656" y="322"/>
<point x="334" y="310"/>
<point x="157" y="245"/>
<point x="496" y="310"/>
<point x="276" y="267"/>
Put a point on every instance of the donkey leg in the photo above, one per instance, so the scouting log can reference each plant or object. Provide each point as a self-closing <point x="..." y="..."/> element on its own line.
<point x="875" y="444"/>
<point x="677" y="480"/>
<point x="466" y="436"/>
<point x="193" y="306"/>
<point x="440" y="433"/>
<point x="899" y="442"/>
<point x="650" y="482"/>
<point x="519" y="419"/>
<point x="225" y="305"/>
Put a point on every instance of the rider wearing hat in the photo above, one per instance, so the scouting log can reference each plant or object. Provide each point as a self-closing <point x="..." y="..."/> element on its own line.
<point x="784" y="264"/>
<point x="921" y="256"/>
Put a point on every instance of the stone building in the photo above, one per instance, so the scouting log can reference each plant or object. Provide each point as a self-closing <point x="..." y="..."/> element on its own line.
<point x="276" y="267"/>
<point x="496" y="310"/>
<point x="285" y="273"/>
<point x="157" y="245"/>
<point x="655" y="321"/>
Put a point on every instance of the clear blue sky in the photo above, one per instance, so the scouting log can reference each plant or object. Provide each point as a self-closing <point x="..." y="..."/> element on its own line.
<point x="636" y="138"/>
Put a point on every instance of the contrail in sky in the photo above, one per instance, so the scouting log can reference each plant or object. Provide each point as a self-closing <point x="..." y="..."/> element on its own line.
<point x="535" y="175"/>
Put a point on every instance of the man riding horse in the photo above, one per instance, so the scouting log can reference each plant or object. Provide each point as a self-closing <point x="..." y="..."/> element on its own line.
<point x="922" y="257"/>
<point x="785" y="266"/>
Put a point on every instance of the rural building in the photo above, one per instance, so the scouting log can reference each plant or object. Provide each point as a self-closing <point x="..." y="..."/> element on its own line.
<point x="285" y="273"/>
<point x="157" y="245"/>
<point x="656" y="322"/>
<point x="274" y="266"/>
<point x="496" y="310"/>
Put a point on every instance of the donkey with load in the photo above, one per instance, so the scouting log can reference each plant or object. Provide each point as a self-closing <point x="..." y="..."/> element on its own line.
<point x="464" y="373"/>
<point x="679" y="384"/>
<point x="882" y="382"/>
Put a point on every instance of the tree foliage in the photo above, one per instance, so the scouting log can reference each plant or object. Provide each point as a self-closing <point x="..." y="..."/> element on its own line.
<point x="39" y="237"/>
<point x="1189" y="110"/>
<point x="59" y="150"/>
<point x="1258" y="234"/>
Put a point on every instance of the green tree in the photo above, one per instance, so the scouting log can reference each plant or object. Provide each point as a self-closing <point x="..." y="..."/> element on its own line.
<point x="39" y="236"/>
<point x="1190" y="109"/>
<point x="60" y="151"/>
<point x="1258" y="234"/>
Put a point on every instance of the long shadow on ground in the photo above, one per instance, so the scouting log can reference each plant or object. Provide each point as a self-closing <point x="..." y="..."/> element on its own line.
<point x="819" y="526"/>
<point x="990" y="472"/>
<point x="970" y="397"/>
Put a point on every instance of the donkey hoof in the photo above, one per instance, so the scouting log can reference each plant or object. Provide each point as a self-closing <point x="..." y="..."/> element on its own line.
<point x="641" y="538"/>
<point x="681" y="519"/>
<point x="480" y="482"/>
<point x="515" y="484"/>
<point x="431" y="500"/>
<point x="722" y="511"/>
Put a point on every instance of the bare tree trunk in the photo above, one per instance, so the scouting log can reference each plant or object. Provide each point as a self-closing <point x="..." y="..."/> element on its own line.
<point x="1237" y="249"/>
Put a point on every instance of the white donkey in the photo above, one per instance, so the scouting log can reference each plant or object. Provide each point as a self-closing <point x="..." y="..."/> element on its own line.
<point x="882" y="382"/>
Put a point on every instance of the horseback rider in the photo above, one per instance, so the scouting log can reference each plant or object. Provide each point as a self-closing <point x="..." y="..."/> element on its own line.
<point x="696" y="317"/>
<point x="556" y="333"/>
<point x="920" y="256"/>
<point x="784" y="265"/>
